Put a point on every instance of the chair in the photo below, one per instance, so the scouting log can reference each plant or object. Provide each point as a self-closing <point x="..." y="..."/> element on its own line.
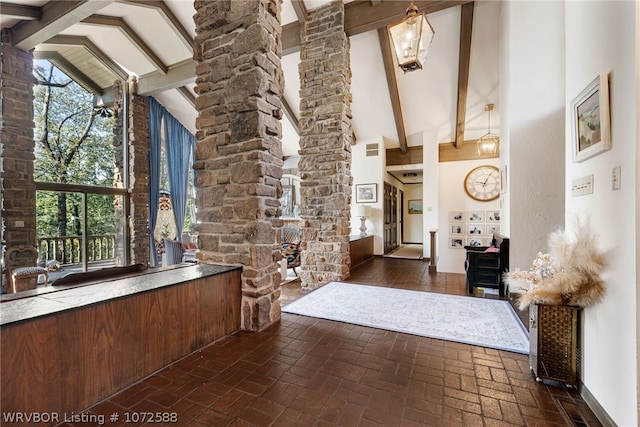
<point x="172" y="252"/>
<point x="290" y="247"/>
<point x="22" y="269"/>
<point x="485" y="266"/>
<point x="291" y="252"/>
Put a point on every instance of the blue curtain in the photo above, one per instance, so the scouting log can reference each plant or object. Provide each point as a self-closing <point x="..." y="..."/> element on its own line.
<point x="180" y="143"/>
<point x="156" y="113"/>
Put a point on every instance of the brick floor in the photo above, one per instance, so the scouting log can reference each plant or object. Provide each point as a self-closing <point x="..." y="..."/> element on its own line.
<point x="313" y="372"/>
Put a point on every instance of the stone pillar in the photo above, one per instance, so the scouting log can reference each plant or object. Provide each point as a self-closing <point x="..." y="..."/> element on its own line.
<point x="325" y="147"/>
<point x="17" y="145"/>
<point x="138" y="131"/>
<point x="239" y="161"/>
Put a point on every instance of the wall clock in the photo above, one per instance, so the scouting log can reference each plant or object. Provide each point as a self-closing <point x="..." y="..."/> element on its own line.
<point x="483" y="183"/>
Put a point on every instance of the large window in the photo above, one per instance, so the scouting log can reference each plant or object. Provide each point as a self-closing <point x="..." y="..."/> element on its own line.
<point x="80" y="208"/>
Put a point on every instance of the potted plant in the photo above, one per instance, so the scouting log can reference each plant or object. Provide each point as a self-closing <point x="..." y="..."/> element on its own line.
<point x="560" y="283"/>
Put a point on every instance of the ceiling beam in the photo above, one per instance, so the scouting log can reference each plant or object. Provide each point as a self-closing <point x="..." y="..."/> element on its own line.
<point x="69" y="69"/>
<point x="188" y="95"/>
<point x="24" y="12"/>
<point x="361" y="16"/>
<point x="180" y="74"/>
<point x="466" y="29"/>
<point x="389" y="69"/>
<point x="129" y="33"/>
<point x="56" y="17"/>
<point x="300" y="9"/>
<point x="170" y="18"/>
<point x="288" y="111"/>
<point x="93" y="49"/>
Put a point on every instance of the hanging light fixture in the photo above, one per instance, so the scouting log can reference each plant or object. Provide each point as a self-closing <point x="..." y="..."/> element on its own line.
<point x="411" y="39"/>
<point x="489" y="143"/>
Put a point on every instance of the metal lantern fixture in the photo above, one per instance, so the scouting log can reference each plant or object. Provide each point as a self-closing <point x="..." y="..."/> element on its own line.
<point x="489" y="143"/>
<point x="411" y="39"/>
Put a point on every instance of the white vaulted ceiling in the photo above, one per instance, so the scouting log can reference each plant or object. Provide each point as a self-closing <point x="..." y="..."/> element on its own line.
<point x="99" y="41"/>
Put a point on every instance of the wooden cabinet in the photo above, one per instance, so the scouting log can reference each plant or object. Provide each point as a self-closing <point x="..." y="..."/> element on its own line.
<point x="361" y="249"/>
<point x="554" y="344"/>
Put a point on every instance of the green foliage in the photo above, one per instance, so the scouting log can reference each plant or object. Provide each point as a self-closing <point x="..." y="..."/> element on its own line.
<point x="74" y="145"/>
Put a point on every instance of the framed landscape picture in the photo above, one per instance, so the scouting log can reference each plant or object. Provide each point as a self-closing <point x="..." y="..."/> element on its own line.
<point x="415" y="206"/>
<point x="590" y="120"/>
<point x="366" y="193"/>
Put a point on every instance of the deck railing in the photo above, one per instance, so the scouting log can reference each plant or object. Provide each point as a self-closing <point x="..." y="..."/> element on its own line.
<point x="68" y="249"/>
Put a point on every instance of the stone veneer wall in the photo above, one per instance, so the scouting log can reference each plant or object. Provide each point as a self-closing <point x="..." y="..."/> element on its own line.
<point x="238" y="163"/>
<point x="325" y="147"/>
<point x="138" y="131"/>
<point x="17" y="143"/>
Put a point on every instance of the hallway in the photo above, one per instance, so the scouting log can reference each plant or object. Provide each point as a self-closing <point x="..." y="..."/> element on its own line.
<point x="305" y="372"/>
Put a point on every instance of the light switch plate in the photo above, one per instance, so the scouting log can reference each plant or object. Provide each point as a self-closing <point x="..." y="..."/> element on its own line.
<point x="615" y="178"/>
<point x="582" y="186"/>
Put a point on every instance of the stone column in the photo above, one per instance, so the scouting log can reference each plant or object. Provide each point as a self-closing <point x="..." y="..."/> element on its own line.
<point x="239" y="161"/>
<point x="17" y="144"/>
<point x="325" y="147"/>
<point x="138" y="131"/>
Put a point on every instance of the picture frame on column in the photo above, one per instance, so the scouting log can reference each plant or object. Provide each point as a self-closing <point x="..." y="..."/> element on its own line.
<point x="590" y="120"/>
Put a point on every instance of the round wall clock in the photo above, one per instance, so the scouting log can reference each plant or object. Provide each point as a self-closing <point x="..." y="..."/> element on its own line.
<point x="483" y="183"/>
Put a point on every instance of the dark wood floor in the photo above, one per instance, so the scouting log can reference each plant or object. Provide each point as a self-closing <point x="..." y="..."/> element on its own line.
<point x="312" y="372"/>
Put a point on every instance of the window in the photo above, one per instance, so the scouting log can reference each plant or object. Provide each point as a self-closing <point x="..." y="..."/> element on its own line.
<point x="80" y="210"/>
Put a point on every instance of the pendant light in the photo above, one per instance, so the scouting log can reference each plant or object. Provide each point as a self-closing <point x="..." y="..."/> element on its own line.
<point x="489" y="143"/>
<point x="411" y="39"/>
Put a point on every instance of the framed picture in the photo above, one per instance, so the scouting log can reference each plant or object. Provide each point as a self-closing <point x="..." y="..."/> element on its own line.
<point x="366" y="193"/>
<point x="475" y="230"/>
<point x="456" y="216"/>
<point x="493" y="216"/>
<point x="491" y="229"/>
<point x="456" y="242"/>
<point x="475" y="216"/>
<point x="415" y="206"/>
<point x="590" y="120"/>
<point x="457" y="229"/>
<point x="475" y="242"/>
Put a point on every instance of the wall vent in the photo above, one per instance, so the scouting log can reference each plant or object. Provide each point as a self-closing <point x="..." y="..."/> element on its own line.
<point x="372" y="150"/>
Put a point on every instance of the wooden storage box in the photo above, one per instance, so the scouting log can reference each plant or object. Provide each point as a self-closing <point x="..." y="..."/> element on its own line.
<point x="554" y="345"/>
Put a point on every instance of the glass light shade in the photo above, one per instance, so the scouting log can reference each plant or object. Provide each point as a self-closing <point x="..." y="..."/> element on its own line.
<point x="488" y="145"/>
<point x="411" y="39"/>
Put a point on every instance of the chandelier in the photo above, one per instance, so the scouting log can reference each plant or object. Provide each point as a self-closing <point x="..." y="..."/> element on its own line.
<point x="411" y="39"/>
<point x="489" y="143"/>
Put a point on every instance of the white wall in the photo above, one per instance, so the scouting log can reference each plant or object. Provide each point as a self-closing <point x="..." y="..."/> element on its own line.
<point x="453" y="198"/>
<point x="532" y="125"/>
<point x="368" y="170"/>
<point x="412" y="225"/>
<point x="601" y="37"/>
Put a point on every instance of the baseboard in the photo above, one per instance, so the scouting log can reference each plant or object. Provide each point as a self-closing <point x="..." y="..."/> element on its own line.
<point x="595" y="407"/>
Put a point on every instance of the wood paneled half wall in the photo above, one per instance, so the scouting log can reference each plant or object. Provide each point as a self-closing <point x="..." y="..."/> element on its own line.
<point x="65" y="351"/>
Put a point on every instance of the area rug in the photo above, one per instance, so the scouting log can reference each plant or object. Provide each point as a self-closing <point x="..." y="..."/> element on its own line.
<point x="484" y="322"/>
<point x="407" y="252"/>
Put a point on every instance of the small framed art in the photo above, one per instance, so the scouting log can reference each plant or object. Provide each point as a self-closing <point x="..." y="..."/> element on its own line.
<point x="366" y="193"/>
<point x="590" y="120"/>
<point x="415" y="206"/>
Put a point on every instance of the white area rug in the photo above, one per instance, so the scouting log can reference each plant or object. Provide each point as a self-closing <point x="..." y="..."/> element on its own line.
<point x="477" y="321"/>
<point x="407" y="251"/>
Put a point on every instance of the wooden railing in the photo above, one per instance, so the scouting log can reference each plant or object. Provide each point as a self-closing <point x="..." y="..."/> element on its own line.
<point x="68" y="249"/>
